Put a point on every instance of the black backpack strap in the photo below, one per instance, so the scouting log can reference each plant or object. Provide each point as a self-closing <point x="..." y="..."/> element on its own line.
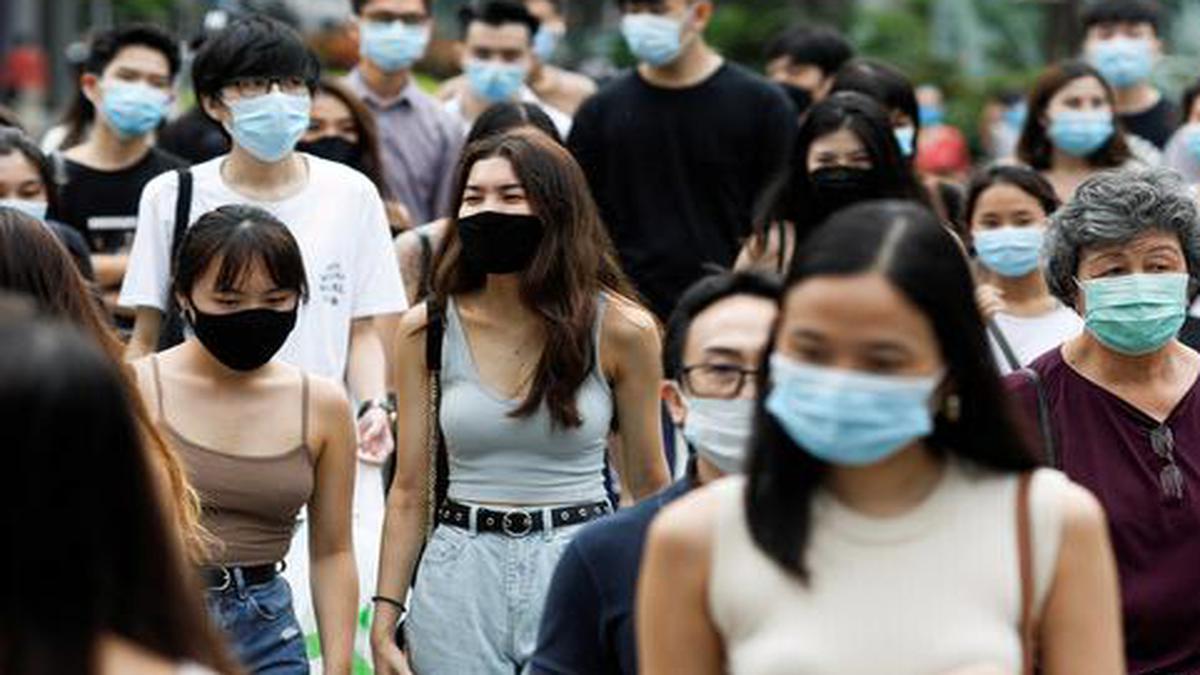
<point x="1044" y="420"/>
<point x="183" y="210"/>
<point x="425" y="289"/>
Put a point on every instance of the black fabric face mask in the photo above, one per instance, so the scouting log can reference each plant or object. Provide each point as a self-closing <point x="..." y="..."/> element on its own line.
<point x="835" y="188"/>
<point x="243" y="340"/>
<point x="335" y="149"/>
<point x="499" y="243"/>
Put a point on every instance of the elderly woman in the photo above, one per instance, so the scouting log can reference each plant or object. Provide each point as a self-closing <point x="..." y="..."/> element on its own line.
<point x="1121" y="405"/>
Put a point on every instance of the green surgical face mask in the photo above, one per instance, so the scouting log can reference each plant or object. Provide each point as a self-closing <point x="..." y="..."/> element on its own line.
<point x="1135" y="314"/>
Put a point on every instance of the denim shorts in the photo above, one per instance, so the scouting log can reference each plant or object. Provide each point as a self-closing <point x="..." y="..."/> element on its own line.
<point x="477" y="602"/>
<point x="260" y="625"/>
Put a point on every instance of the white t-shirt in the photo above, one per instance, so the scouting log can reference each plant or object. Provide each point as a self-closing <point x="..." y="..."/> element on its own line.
<point x="338" y="220"/>
<point x="562" y="121"/>
<point x="1032" y="336"/>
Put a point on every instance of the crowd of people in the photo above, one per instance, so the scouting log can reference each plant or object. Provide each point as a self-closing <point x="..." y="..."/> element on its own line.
<point x="699" y="370"/>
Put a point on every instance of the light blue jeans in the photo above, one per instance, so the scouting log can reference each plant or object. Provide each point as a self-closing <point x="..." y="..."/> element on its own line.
<point x="478" y="600"/>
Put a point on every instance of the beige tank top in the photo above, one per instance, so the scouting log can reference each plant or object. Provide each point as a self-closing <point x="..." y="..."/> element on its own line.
<point x="932" y="590"/>
<point x="248" y="503"/>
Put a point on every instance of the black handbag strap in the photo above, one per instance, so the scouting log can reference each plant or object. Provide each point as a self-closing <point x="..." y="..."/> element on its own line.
<point x="435" y="334"/>
<point x="425" y="289"/>
<point x="1010" y="356"/>
<point x="183" y="210"/>
<point x="1044" y="419"/>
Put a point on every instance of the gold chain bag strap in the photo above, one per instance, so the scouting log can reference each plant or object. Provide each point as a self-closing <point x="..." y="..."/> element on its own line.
<point x="437" y="475"/>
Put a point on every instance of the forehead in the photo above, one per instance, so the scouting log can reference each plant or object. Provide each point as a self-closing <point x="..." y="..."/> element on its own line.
<point x="327" y="105"/>
<point x="841" y="140"/>
<point x="1153" y="241"/>
<point x="1087" y="85"/>
<point x="253" y="277"/>
<point x="737" y="323"/>
<point x="863" y="308"/>
<point x="1006" y="197"/>
<point x="1123" y="26"/>
<point x="504" y="36"/>
<point x="141" y="58"/>
<point x="395" y="6"/>
<point x="16" y="167"/>
<point x="542" y="9"/>
<point x="492" y="171"/>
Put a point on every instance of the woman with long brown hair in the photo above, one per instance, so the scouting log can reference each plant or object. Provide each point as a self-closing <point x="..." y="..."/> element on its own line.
<point x="34" y="263"/>
<point x="542" y="350"/>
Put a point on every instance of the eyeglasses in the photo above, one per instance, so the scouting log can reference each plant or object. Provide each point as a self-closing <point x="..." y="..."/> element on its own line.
<point x="716" y="380"/>
<point x="1170" y="479"/>
<point x="248" y="87"/>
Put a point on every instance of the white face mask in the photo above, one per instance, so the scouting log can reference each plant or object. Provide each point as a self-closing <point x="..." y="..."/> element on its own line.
<point x="29" y="207"/>
<point x="719" y="430"/>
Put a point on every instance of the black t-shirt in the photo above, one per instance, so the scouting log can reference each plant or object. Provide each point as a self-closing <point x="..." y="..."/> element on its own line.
<point x="587" y="623"/>
<point x="677" y="172"/>
<point x="193" y="137"/>
<point x="1155" y="124"/>
<point x="103" y="205"/>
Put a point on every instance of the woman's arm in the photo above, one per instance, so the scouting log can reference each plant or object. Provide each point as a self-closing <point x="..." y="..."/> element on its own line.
<point x="1080" y="630"/>
<point x="675" y="633"/>
<point x="366" y="373"/>
<point x="334" y="577"/>
<point x="404" y="523"/>
<point x="631" y="348"/>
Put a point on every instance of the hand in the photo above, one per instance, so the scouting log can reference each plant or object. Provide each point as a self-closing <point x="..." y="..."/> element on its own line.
<point x="374" y="436"/>
<point x="990" y="300"/>
<point x="387" y="658"/>
<point x="398" y="216"/>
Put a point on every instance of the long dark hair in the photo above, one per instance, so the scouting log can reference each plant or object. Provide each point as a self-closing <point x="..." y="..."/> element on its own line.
<point x="574" y="263"/>
<point x="78" y="502"/>
<point x="1034" y="147"/>
<point x="364" y="125"/>
<point x="14" y="140"/>
<point x="34" y="263"/>
<point x="793" y="199"/>
<point x="906" y="243"/>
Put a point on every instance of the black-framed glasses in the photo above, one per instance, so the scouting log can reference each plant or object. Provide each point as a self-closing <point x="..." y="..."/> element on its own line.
<point x="716" y="380"/>
<point x="248" y="87"/>
<point x="1170" y="478"/>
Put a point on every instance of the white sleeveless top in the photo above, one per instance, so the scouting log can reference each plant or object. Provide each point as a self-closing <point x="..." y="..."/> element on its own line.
<point x="922" y="593"/>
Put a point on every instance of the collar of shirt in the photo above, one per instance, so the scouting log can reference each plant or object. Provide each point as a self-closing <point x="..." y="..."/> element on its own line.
<point x="356" y="80"/>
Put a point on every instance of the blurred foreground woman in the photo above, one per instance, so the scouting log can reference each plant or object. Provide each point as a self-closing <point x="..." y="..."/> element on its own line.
<point x="92" y="581"/>
<point x="891" y="520"/>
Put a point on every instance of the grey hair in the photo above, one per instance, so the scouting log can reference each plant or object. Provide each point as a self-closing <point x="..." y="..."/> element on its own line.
<point x="1113" y="208"/>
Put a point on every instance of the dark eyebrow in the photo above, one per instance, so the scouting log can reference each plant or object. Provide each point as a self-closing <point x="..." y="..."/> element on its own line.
<point x="722" y="351"/>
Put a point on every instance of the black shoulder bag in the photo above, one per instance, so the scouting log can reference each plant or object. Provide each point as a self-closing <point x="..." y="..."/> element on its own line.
<point x="1045" y="423"/>
<point x="438" y="477"/>
<point x="171" y="332"/>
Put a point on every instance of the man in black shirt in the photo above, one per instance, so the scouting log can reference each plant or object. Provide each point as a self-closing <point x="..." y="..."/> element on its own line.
<point x="678" y="151"/>
<point x="715" y="340"/>
<point x="128" y="79"/>
<point x="1122" y="41"/>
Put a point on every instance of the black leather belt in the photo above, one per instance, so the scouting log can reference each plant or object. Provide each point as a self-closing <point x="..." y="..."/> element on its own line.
<point x="219" y="577"/>
<point x="518" y="522"/>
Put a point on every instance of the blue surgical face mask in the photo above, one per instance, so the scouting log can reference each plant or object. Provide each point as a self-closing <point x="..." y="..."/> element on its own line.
<point x="31" y="208"/>
<point x="1014" y="115"/>
<point x="1123" y="62"/>
<point x="393" y="45"/>
<point x="1079" y="133"/>
<point x="1135" y="314"/>
<point x="846" y="417"/>
<point x="1191" y="141"/>
<point x="1010" y="251"/>
<point x="931" y="115"/>
<point x="654" y="40"/>
<point x="545" y="42"/>
<point x="719" y="430"/>
<point x="906" y="137"/>
<point x="132" y="108"/>
<point x="496" y="82"/>
<point x="269" y="126"/>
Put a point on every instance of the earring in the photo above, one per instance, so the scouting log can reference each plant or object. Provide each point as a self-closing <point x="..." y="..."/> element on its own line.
<point x="952" y="408"/>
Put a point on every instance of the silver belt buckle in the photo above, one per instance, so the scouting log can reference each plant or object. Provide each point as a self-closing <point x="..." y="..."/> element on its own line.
<point x="514" y="530"/>
<point x="226" y="583"/>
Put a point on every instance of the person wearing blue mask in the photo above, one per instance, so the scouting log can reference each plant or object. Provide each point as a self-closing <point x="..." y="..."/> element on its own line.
<point x="1006" y="212"/>
<point x="1071" y="131"/>
<point x="419" y="141"/>
<point x="128" y="77"/>
<point x="888" y="496"/>
<point x="712" y="350"/>
<point x="497" y="60"/>
<point x="1183" y="152"/>
<point x="256" y="80"/>
<point x="679" y="149"/>
<point x="1122" y="40"/>
<point x="1119" y="403"/>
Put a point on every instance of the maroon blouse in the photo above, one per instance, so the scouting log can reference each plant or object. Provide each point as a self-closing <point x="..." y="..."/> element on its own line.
<point x="1104" y="444"/>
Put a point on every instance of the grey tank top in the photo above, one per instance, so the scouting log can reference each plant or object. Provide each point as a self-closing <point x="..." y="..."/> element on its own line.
<point x="495" y="458"/>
